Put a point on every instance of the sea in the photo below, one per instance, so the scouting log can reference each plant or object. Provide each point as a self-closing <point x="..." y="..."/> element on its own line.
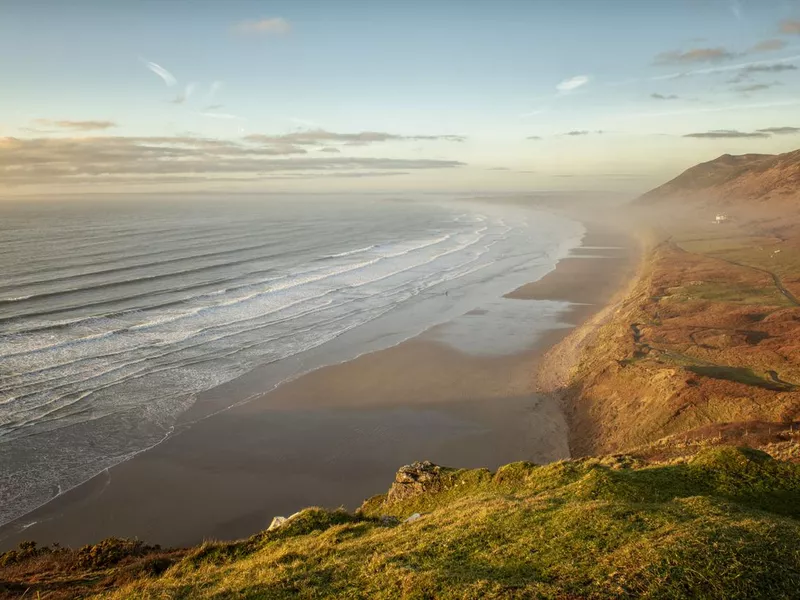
<point x="117" y="313"/>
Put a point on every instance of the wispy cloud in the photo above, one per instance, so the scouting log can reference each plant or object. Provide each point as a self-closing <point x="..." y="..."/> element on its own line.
<point x="321" y="136"/>
<point x="330" y="150"/>
<point x="185" y="94"/>
<point x="755" y="87"/>
<point x="271" y="26"/>
<point x="696" y="55"/>
<point x="663" y="97"/>
<point x="214" y="107"/>
<point x="165" y="75"/>
<point x="790" y="26"/>
<point x="533" y="137"/>
<point x="769" y="46"/>
<point x="74" y="125"/>
<point x="781" y="130"/>
<point x="776" y="68"/>
<point x="774" y="65"/>
<point x="581" y="132"/>
<point x="718" y="134"/>
<point x="113" y="159"/>
<point x="745" y="73"/>
<point x="573" y="83"/>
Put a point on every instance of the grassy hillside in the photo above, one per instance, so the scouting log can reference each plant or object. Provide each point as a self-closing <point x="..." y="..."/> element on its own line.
<point x="706" y="338"/>
<point x="723" y="524"/>
<point x="749" y="180"/>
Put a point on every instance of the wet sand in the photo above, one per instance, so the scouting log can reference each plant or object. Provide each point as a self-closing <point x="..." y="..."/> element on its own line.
<point x="461" y="394"/>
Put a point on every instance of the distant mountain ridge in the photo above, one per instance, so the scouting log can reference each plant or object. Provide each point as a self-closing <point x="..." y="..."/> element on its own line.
<point x="759" y="180"/>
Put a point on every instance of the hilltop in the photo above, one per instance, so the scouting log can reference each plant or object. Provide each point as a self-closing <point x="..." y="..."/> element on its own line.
<point x="749" y="180"/>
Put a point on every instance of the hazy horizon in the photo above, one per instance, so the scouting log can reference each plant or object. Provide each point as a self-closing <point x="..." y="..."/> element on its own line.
<point x="310" y="97"/>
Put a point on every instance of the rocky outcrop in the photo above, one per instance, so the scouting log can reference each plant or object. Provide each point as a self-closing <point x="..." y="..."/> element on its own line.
<point x="415" y="479"/>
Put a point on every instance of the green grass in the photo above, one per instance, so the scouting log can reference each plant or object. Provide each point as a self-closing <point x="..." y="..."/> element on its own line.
<point x="722" y="525"/>
<point x="733" y="293"/>
<point x="740" y="375"/>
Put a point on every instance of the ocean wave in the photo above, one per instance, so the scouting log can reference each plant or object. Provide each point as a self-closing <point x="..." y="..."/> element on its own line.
<point x="350" y="252"/>
<point x="97" y="362"/>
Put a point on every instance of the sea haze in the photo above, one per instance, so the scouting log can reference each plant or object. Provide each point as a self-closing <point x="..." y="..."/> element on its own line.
<point x="113" y="317"/>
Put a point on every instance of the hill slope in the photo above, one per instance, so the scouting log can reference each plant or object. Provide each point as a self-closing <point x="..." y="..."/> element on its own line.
<point x="704" y="343"/>
<point x="721" y="525"/>
<point x="757" y="180"/>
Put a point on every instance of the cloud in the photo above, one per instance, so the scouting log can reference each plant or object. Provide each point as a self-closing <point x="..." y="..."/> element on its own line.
<point x="769" y="46"/>
<point x="790" y="26"/>
<point x="745" y="73"/>
<point x="330" y="150"/>
<point x="776" y="68"/>
<point x="165" y="75"/>
<point x="663" y="97"/>
<point x="498" y="169"/>
<point x="533" y="137"/>
<point x="75" y="125"/>
<point x="316" y="137"/>
<point x="272" y="26"/>
<point x="780" y="64"/>
<point x="573" y="83"/>
<point x="184" y="96"/>
<point x="756" y="87"/>
<point x="114" y="159"/>
<point x="718" y="134"/>
<point x="780" y="130"/>
<point x="214" y="107"/>
<point x="696" y="55"/>
<point x="580" y="132"/>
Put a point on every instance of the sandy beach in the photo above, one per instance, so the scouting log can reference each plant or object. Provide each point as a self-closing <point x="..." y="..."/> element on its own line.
<point x="462" y="394"/>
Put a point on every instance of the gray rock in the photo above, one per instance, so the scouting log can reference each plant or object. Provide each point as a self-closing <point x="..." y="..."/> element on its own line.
<point x="412" y="518"/>
<point x="277" y="522"/>
<point x="415" y="479"/>
<point x="281" y="521"/>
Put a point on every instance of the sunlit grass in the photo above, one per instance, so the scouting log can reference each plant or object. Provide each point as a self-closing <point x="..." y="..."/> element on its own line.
<point x="723" y="525"/>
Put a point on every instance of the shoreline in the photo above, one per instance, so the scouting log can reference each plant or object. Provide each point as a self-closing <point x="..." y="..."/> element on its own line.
<point x="424" y="397"/>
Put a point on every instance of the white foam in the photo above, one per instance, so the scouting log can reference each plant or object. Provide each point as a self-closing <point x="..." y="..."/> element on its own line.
<point x="350" y="252"/>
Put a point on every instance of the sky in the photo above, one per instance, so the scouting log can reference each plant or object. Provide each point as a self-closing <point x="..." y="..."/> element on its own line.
<point x="480" y="96"/>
